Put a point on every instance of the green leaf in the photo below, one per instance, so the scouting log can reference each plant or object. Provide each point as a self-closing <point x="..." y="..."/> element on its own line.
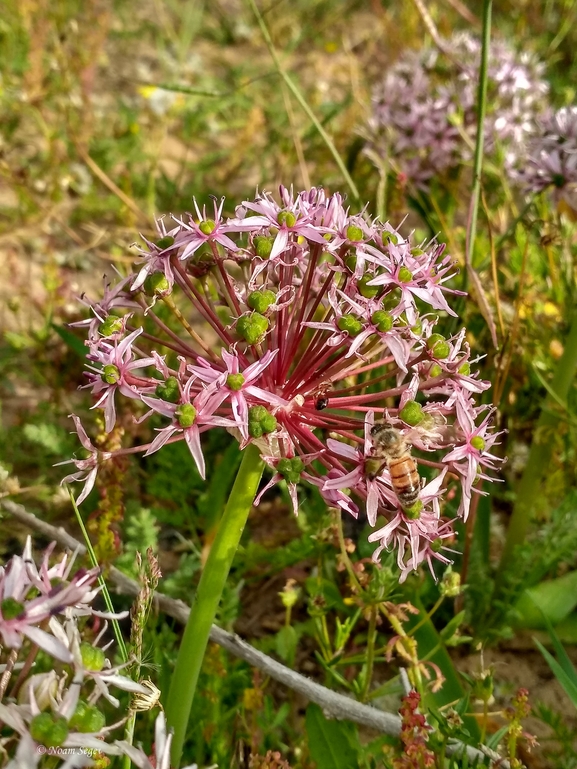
<point x="568" y="682"/>
<point x="392" y="687"/>
<point x="286" y="643"/>
<point x="567" y="630"/>
<point x="327" y="589"/>
<point x="432" y="648"/>
<point x="332" y="744"/>
<point x="50" y="437"/>
<point x="562" y="656"/>
<point x="71" y="340"/>
<point x="551" y="600"/>
<point x="451" y="627"/>
<point x="493" y="740"/>
<point x="281" y="716"/>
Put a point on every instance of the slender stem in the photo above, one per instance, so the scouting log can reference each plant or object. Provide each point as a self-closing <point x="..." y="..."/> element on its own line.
<point x="169" y="302"/>
<point x="468" y="544"/>
<point x="303" y="102"/>
<point x="105" y="593"/>
<point x="344" y="555"/>
<point x="485" y="719"/>
<point x="207" y="598"/>
<point x="481" y="110"/>
<point x="371" y="638"/>
<point x="427" y="616"/>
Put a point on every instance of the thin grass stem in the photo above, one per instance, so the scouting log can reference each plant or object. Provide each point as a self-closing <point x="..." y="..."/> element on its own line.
<point x="303" y="102"/>
<point x="481" y="111"/>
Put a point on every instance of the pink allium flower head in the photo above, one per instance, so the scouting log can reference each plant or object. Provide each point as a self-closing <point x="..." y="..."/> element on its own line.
<point x="424" y="111"/>
<point x="303" y="320"/>
<point x="551" y="158"/>
<point x="31" y="596"/>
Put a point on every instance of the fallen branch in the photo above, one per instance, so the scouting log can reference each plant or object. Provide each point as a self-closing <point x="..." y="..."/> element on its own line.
<point x="333" y="704"/>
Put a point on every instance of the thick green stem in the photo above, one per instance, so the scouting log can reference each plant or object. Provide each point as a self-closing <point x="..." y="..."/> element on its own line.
<point x="541" y="451"/>
<point x="207" y="598"/>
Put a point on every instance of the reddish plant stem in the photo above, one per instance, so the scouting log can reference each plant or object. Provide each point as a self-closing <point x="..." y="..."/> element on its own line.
<point x="205" y="309"/>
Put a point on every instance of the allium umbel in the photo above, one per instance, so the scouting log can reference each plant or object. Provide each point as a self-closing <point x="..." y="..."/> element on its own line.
<point x="551" y="158"/>
<point x="298" y="326"/>
<point x="425" y="110"/>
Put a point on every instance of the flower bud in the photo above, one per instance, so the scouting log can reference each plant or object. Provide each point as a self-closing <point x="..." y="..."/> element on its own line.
<point x="382" y="320"/>
<point x="110" y="374"/>
<point x="450" y="586"/>
<point x="112" y="325"/>
<point x="44" y="688"/>
<point x="235" y="381"/>
<point x="287" y="218"/>
<point x="261" y="300"/>
<point x="290" y="594"/>
<point x="156" y="284"/>
<point x="252" y="328"/>
<point x="263" y="246"/>
<point x="93" y="658"/>
<point x="186" y="415"/>
<point x="168" y="390"/>
<point x="207" y="227"/>
<point x="412" y="413"/>
<point x="48" y="729"/>
<point x="87" y="718"/>
<point x="290" y="469"/>
<point x="350" y="324"/>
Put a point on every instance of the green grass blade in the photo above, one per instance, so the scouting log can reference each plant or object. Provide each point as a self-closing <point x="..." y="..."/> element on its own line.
<point x="101" y="582"/>
<point x="304" y="104"/>
<point x="568" y="682"/>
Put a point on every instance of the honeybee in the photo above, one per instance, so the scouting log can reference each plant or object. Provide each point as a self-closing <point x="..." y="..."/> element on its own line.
<point x="390" y="448"/>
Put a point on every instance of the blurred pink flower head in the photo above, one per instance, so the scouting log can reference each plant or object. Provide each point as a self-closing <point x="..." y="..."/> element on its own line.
<point x="424" y="111"/>
<point x="550" y="161"/>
